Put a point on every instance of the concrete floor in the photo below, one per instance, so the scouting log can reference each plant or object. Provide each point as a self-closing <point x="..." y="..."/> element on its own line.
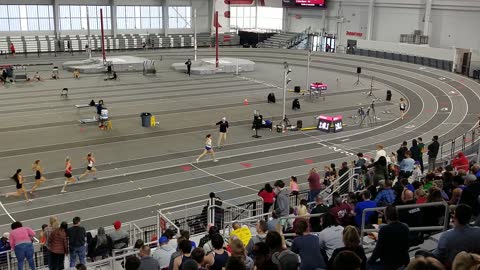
<point x="145" y="169"/>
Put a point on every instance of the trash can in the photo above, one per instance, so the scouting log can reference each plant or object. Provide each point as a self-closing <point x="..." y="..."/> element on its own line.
<point x="389" y="95"/>
<point x="146" y="117"/>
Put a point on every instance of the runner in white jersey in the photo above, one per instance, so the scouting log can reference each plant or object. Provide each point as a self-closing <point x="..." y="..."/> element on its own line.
<point x="90" y="168"/>
<point x="208" y="149"/>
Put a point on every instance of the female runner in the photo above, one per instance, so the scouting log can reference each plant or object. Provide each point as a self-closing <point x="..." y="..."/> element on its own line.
<point x="39" y="179"/>
<point x="90" y="168"/>
<point x="208" y="149"/>
<point x="18" y="177"/>
<point x="68" y="174"/>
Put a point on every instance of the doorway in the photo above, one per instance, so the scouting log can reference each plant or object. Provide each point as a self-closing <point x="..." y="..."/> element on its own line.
<point x="328" y="43"/>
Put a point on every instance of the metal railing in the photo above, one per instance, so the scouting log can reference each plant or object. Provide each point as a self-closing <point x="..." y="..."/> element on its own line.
<point x="469" y="143"/>
<point x="442" y="228"/>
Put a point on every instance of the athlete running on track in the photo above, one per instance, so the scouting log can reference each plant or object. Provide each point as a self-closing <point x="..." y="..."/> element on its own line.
<point x="90" y="168"/>
<point x="39" y="179"/>
<point x="68" y="174"/>
<point x="208" y="149"/>
<point x="18" y="177"/>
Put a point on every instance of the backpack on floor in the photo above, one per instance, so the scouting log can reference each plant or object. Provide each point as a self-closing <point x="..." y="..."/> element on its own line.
<point x="271" y="98"/>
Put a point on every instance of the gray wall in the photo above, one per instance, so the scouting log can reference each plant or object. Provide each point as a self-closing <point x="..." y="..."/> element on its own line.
<point x="453" y="22"/>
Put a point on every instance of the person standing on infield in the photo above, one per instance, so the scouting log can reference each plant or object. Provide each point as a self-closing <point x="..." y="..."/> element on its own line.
<point x="222" y="136"/>
<point x="208" y="149"/>
<point x="90" y="168"/>
<point x="189" y="66"/>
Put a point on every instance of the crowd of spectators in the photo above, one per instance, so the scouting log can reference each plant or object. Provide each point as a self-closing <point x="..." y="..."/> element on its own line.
<point x="322" y="232"/>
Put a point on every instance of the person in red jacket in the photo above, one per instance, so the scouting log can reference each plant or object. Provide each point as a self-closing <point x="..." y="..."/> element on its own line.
<point x="267" y="195"/>
<point x="314" y="184"/>
<point x="460" y="162"/>
<point x="12" y="49"/>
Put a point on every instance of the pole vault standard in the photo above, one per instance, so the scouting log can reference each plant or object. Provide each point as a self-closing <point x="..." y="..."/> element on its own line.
<point x="103" y="37"/>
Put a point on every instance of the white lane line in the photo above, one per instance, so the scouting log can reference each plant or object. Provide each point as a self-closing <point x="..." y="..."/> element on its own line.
<point x="6" y="212"/>
<point x="221" y="178"/>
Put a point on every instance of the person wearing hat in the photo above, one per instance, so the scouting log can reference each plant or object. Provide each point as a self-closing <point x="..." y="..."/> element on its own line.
<point x="4" y="246"/>
<point x="120" y="238"/>
<point x="163" y="253"/>
<point x="222" y="136"/>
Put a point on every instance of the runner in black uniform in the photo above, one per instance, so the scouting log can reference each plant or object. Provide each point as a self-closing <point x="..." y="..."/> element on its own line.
<point x="39" y="179"/>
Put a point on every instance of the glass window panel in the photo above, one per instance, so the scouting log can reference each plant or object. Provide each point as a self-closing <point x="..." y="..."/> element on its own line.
<point x="83" y="12"/>
<point x="4" y="12"/>
<point x="107" y="11"/>
<point x="121" y="23"/>
<point x="24" y="24"/>
<point x="32" y="25"/>
<point x="4" y="25"/>
<point x="120" y="11"/>
<point x="240" y="12"/>
<point x="130" y="11"/>
<point x="84" y="23"/>
<point x="13" y="11"/>
<point x="75" y="11"/>
<point x="44" y="24"/>
<point x="145" y="11"/>
<point x="172" y="22"/>
<point x="181" y="23"/>
<point x="155" y="23"/>
<point x="15" y="25"/>
<point x="246" y="12"/>
<point x="64" y="12"/>
<point x="253" y="11"/>
<point x="233" y="12"/>
<point x="130" y="23"/>
<point x="138" y="23"/>
<point x="93" y="11"/>
<point x="137" y="11"/>
<point x="76" y="24"/>
<point x="145" y="23"/>
<point x="107" y="24"/>
<point x="32" y="11"/>
<point x="94" y="23"/>
<point x="43" y="11"/>
<point x="155" y="11"/>
<point x="65" y="24"/>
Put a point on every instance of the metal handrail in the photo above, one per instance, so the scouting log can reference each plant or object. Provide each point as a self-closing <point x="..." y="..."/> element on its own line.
<point x="409" y="206"/>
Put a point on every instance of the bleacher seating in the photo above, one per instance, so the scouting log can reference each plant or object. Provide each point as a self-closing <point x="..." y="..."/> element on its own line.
<point x="48" y="44"/>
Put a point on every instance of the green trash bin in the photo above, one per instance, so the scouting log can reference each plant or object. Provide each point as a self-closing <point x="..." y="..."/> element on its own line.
<point x="146" y="117"/>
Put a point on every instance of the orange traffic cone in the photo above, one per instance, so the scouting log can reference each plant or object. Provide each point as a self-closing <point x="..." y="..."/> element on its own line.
<point x="245" y="102"/>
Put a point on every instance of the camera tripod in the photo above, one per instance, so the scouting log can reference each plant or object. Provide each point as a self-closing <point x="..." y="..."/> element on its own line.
<point x="369" y="115"/>
<point x="370" y="93"/>
<point x="358" y="82"/>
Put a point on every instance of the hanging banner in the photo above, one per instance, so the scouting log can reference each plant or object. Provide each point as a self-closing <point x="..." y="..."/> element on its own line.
<point x="223" y="8"/>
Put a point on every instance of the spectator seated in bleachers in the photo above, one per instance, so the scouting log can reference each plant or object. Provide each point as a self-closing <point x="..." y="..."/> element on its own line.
<point x="370" y="216"/>
<point x="262" y="229"/>
<point x="4" y="246"/>
<point x="462" y="237"/>
<point x="218" y="256"/>
<point x="467" y="261"/>
<point x="351" y="239"/>
<point x="186" y="234"/>
<point x="471" y="194"/>
<point x="319" y="208"/>
<point x="279" y="257"/>
<point x="425" y="262"/>
<point x="163" y="253"/>
<point x="147" y="262"/>
<point x="238" y="250"/>
<point x="342" y="211"/>
<point x="120" y="238"/>
<point x="177" y="253"/>
<point x="307" y="246"/>
<point x="206" y="241"/>
<point x="185" y="248"/>
<point x="391" y="249"/>
<point x="100" y="245"/>
<point x="386" y="196"/>
<point x="331" y="236"/>
<point x="347" y="260"/>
